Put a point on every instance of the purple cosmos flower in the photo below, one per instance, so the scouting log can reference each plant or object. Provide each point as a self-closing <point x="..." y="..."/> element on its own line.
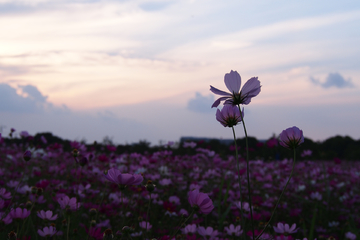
<point x="4" y="194"/>
<point x="145" y="225"/>
<point x="19" y="213"/>
<point x="67" y="202"/>
<point x="24" y="134"/>
<point x="285" y="229"/>
<point x="48" y="215"/>
<point x="229" y="115"/>
<point x="233" y="82"/>
<point x="7" y="220"/>
<point x="190" y="228"/>
<point x="200" y="201"/>
<point x="291" y="137"/>
<point x="27" y="155"/>
<point x="316" y="196"/>
<point x="115" y="176"/>
<point x="232" y="230"/>
<point x="47" y="231"/>
<point x="350" y="235"/>
<point x="209" y="231"/>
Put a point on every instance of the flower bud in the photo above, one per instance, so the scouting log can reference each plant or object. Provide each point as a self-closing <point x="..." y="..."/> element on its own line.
<point x="28" y="204"/>
<point x="75" y="152"/>
<point x="27" y="155"/>
<point x="39" y="191"/>
<point x="108" y="234"/>
<point x="33" y="190"/>
<point x="12" y="235"/>
<point x="150" y="186"/>
<point x="92" y="212"/>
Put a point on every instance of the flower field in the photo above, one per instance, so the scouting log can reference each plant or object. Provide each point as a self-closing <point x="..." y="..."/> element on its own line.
<point x="62" y="194"/>
<point x="69" y="190"/>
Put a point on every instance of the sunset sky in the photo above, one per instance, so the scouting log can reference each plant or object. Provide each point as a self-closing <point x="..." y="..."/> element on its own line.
<point x="141" y="70"/>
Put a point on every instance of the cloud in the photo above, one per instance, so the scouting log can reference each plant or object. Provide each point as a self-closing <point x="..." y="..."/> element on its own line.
<point x="154" y="6"/>
<point x="33" y="93"/>
<point x="333" y="80"/>
<point x="201" y="103"/>
<point x="30" y="100"/>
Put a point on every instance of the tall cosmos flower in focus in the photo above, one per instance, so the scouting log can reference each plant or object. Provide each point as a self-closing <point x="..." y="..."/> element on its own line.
<point x="233" y="82"/>
<point x="229" y="115"/>
<point x="200" y="201"/>
<point x="291" y="137"/>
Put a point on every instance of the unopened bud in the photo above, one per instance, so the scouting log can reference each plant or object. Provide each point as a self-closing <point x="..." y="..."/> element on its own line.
<point x="150" y="186"/>
<point x="75" y="152"/>
<point x="33" y="190"/>
<point x="27" y="155"/>
<point x="12" y="235"/>
<point x="108" y="234"/>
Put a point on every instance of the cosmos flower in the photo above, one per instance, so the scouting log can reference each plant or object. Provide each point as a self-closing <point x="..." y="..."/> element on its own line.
<point x="47" y="231"/>
<point x="232" y="230"/>
<point x="48" y="215"/>
<point x="209" y="231"/>
<point x="284" y="228"/>
<point x="233" y="83"/>
<point x="68" y="202"/>
<point x="19" y="213"/>
<point x="145" y="225"/>
<point x="291" y="137"/>
<point x="115" y="176"/>
<point x="200" y="201"/>
<point x="229" y="115"/>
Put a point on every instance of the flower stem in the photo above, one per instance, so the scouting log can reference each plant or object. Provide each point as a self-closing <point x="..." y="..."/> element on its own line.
<point x="191" y="214"/>
<point x="239" y="179"/>
<point x="248" y="173"/>
<point x="278" y="201"/>
<point x="147" y="214"/>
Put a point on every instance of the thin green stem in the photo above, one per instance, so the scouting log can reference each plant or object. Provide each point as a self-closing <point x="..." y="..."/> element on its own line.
<point x="248" y="174"/>
<point x="278" y="201"/>
<point x="191" y="214"/>
<point x="68" y="228"/>
<point x="147" y="213"/>
<point x="239" y="180"/>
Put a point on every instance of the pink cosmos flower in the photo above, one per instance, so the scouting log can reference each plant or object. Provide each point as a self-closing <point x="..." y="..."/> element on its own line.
<point x="19" y="213"/>
<point x="190" y="228"/>
<point x="209" y="231"/>
<point x="291" y="137"/>
<point x="145" y="225"/>
<point x="48" y="215"/>
<point x="200" y="201"/>
<point x="24" y="134"/>
<point x="232" y="230"/>
<point x="67" y="202"/>
<point x="350" y="235"/>
<point x="233" y="82"/>
<point x="115" y="176"/>
<point x="4" y="194"/>
<point x="281" y="228"/>
<point x="229" y="115"/>
<point x="7" y="220"/>
<point x="47" y="231"/>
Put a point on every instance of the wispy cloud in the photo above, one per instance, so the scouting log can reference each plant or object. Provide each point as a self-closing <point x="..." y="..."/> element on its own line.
<point x="201" y="103"/>
<point x="333" y="80"/>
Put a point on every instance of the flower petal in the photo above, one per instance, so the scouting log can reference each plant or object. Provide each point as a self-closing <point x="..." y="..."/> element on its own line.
<point x="219" y="92"/>
<point x="233" y="81"/>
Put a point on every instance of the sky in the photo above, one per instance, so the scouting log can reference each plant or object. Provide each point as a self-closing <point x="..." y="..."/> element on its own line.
<point x="134" y="70"/>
